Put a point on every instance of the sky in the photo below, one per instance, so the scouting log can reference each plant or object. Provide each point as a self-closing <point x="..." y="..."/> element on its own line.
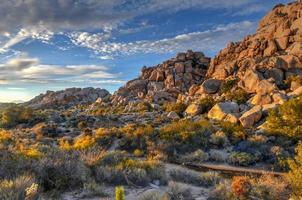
<point x="58" y="44"/>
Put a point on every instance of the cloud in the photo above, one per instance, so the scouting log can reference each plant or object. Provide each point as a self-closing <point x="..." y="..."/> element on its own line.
<point x="210" y="40"/>
<point x="60" y="15"/>
<point x="30" y="70"/>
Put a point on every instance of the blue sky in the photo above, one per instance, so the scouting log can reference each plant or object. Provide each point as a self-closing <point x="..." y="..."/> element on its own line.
<point x="56" y="44"/>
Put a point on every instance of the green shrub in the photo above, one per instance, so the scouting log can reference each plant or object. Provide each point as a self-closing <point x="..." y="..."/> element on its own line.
<point x="219" y="139"/>
<point x="178" y="107"/>
<point x="295" y="174"/>
<point x="286" y="119"/>
<point x="206" y="104"/>
<point x="241" y="159"/>
<point x="185" y="135"/>
<point x="227" y="85"/>
<point x="235" y="132"/>
<point x="239" y="95"/>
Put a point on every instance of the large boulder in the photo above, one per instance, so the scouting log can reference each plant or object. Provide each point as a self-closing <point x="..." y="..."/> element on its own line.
<point x="224" y="111"/>
<point x="249" y="118"/>
<point x="210" y="86"/>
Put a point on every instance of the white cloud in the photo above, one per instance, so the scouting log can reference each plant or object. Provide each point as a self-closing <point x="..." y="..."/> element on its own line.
<point x="210" y="40"/>
<point x="30" y="70"/>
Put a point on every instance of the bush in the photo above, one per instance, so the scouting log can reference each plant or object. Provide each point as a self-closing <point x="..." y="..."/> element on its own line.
<point x="241" y="159"/>
<point x="295" y="174"/>
<point x="238" y="95"/>
<point x="152" y="195"/>
<point x="119" y="193"/>
<point x="221" y="191"/>
<point x="178" y="191"/>
<point x="235" y="132"/>
<point x="190" y="177"/>
<point x="185" y="135"/>
<point x="61" y="171"/>
<point x="12" y="116"/>
<point x="227" y="85"/>
<point x="178" y="107"/>
<point x="206" y="104"/>
<point x="286" y="119"/>
<point x="23" y="187"/>
<point x="93" y="189"/>
<point x="241" y="186"/>
<point x="196" y="156"/>
<point x="5" y="136"/>
<point x="219" y="139"/>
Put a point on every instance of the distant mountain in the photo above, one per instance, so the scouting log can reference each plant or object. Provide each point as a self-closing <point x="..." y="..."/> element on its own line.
<point x="67" y="98"/>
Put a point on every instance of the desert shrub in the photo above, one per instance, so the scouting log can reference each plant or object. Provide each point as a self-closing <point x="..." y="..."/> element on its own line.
<point x="185" y="135"/>
<point x="152" y="195"/>
<point x="12" y="116"/>
<point x="295" y="174"/>
<point x="119" y="169"/>
<point x="241" y="159"/>
<point x="241" y="186"/>
<point x="217" y="156"/>
<point x="5" y="136"/>
<point x="30" y="152"/>
<point x="138" y="153"/>
<point x="238" y="95"/>
<point x="219" y="139"/>
<point x="92" y="189"/>
<point x="227" y="85"/>
<point x="268" y="187"/>
<point x="135" y="137"/>
<point x="22" y="187"/>
<point x="119" y="193"/>
<point x="178" y="191"/>
<point x="286" y="119"/>
<point x="80" y="143"/>
<point x="206" y="104"/>
<point x="235" y="132"/>
<point x="61" y="171"/>
<point x="91" y="156"/>
<point x="178" y="107"/>
<point x="221" y="191"/>
<point x="205" y="179"/>
<point x="196" y="156"/>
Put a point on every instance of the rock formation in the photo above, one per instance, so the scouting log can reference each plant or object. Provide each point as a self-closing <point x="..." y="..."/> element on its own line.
<point x="165" y="81"/>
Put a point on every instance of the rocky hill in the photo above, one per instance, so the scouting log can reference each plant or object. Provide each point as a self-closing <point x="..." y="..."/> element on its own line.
<point x="165" y="81"/>
<point x="246" y="78"/>
<point x="67" y="98"/>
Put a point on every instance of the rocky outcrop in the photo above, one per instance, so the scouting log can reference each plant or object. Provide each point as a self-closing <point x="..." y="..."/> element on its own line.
<point x="262" y="61"/>
<point x="67" y="98"/>
<point x="165" y="81"/>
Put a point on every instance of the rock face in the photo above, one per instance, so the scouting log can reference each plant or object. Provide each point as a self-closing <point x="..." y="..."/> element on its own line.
<point x="227" y="111"/>
<point x="262" y="61"/>
<point x="165" y="81"/>
<point x="249" y="118"/>
<point x="67" y="98"/>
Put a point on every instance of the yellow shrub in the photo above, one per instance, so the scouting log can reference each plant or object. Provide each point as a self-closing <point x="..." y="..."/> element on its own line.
<point x="84" y="142"/>
<point x="5" y="136"/>
<point x="64" y="144"/>
<point x="295" y="175"/>
<point x="31" y="152"/>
